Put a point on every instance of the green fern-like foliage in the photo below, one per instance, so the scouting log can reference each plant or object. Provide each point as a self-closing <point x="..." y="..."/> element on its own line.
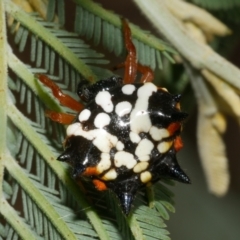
<point x="39" y="199"/>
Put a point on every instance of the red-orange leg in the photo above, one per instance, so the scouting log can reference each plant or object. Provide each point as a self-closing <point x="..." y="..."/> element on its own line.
<point x="62" y="118"/>
<point x="131" y="60"/>
<point x="90" y="171"/>
<point x="173" y="127"/>
<point x="99" y="185"/>
<point x="147" y="73"/>
<point x="131" y="65"/>
<point x="178" y="144"/>
<point x="64" y="99"/>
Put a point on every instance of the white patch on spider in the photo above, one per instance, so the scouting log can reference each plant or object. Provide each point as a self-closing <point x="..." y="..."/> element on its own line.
<point x="144" y="149"/>
<point x="84" y="115"/>
<point x="123" y="158"/>
<point x="158" y="134"/>
<point x="110" y="175"/>
<point x="104" y="100"/>
<point x="119" y="146"/>
<point x="145" y="176"/>
<point x="139" y="117"/>
<point x="128" y="89"/>
<point x="144" y="158"/>
<point x="164" y="146"/>
<point x="141" y="166"/>
<point x="73" y="128"/>
<point x="134" y="137"/>
<point x="123" y="108"/>
<point x="164" y="89"/>
<point x="105" y="163"/>
<point x="103" y="140"/>
<point x="102" y="120"/>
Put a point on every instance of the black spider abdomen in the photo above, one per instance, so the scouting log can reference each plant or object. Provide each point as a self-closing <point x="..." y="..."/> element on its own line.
<point x="126" y="137"/>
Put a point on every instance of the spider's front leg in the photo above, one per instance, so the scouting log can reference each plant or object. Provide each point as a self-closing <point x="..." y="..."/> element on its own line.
<point x="131" y="65"/>
<point x="64" y="99"/>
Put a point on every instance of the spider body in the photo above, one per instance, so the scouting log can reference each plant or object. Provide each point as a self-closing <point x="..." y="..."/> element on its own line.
<point x="127" y="134"/>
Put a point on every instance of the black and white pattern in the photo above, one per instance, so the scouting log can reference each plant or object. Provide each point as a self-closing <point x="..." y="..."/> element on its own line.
<point x="123" y="132"/>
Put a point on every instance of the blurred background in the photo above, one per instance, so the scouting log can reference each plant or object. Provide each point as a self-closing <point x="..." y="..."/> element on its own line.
<point x="199" y="214"/>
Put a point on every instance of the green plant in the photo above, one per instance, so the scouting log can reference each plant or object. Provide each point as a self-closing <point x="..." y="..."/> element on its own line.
<point x="39" y="199"/>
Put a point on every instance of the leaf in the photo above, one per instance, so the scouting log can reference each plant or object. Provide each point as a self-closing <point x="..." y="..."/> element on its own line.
<point x="146" y="44"/>
<point x="211" y="126"/>
<point x="39" y="199"/>
<point x="214" y="162"/>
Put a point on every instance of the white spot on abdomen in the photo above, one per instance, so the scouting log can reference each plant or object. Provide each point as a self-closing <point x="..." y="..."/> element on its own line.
<point x="123" y="108"/>
<point x="84" y="115"/>
<point x="158" y="133"/>
<point x="141" y="166"/>
<point x="164" y="146"/>
<point x="124" y="159"/>
<point x="101" y="120"/>
<point x="144" y="149"/>
<point x="103" y="140"/>
<point x="73" y="128"/>
<point x="110" y="175"/>
<point x="105" y="163"/>
<point x="135" y="138"/>
<point x="145" y="177"/>
<point x="104" y="100"/>
<point x="139" y="118"/>
<point x="119" y="146"/>
<point x="128" y="89"/>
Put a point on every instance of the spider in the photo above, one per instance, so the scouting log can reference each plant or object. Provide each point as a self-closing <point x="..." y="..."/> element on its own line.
<point x="127" y="134"/>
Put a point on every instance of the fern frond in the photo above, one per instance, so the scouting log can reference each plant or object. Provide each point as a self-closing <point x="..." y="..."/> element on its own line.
<point x="102" y="26"/>
<point x="3" y="93"/>
<point x="40" y="145"/>
<point x="51" y="35"/>
<point x="33" y="197"/>
<point x="21" y="228"/>
<point x="53" y="205"/>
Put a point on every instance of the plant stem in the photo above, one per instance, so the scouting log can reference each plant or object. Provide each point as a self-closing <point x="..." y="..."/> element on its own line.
<point x="3" y="92"/>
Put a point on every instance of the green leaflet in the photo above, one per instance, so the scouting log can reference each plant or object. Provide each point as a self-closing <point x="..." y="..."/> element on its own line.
<point x="51" y="204"/>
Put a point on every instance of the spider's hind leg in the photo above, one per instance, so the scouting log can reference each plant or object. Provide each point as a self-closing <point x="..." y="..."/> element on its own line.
<point x="147" y="73"/>
<point x="131" y="60"/>
<point x="131" y="65"/>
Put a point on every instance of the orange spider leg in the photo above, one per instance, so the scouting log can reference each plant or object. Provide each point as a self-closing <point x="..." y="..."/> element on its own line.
<point x="131" y="60"/>
<point x="131" y="65"/>
<point x="62" y="118"/>
<point x="178" y="144"/>
<point x="100" y="186"/>
<point x="64" y="99"/>
<point x="90" y="171"/>
<point x="173" y="127"/>
<point x="147" y="73"/>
